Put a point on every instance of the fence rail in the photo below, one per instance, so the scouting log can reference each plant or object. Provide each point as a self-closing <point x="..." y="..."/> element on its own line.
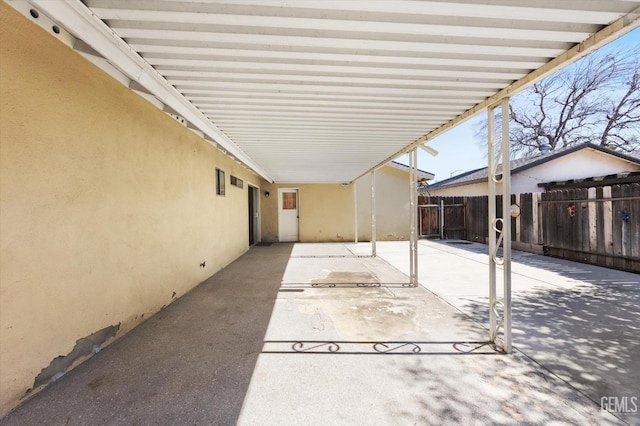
<point x="599" y="225"/>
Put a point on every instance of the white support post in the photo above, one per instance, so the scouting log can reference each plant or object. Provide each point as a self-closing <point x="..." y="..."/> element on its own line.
<point x="506" y="227"/>
<point x="414" y="208"/>
<point x="491" y="158"/>
<point x="355" y="213"/>
<point x="373" y="213"/>
<point x="413" y="218"/>
<point x="410" y="220"/>
<point x="499" y="226"/>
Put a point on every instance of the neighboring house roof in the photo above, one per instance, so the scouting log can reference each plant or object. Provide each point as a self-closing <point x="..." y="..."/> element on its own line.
<point x="481" y="175"/>
<point x="421" y="173"/>
<point x="617" y="179"/>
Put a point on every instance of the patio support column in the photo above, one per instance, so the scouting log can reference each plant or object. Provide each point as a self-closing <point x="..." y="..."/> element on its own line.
<point x="355" y="212"/>
<point x="499" y="228"/>
<point x="373" y="213"/>
<point x="413" y="218"/>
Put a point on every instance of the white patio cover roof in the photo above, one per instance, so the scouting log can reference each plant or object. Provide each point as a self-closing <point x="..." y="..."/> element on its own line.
<point x="323" y="91"/>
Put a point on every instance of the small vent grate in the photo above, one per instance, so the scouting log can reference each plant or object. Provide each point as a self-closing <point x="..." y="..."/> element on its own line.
<point x="236" y="182"/>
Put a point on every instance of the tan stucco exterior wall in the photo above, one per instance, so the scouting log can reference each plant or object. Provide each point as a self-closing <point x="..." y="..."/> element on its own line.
<point x="392" y="205"/>
<point x="326" y="212"/>
<point x="108" y="205"/>
<point x="585" y="163"/>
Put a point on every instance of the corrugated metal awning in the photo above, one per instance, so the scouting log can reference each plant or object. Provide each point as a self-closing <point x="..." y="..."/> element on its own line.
<point x="322" y="91"/>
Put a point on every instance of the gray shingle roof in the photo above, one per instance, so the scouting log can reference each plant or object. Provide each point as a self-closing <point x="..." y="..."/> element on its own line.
<point x="481" y="175"/>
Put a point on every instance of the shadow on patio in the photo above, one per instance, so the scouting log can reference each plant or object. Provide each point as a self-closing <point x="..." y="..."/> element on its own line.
<point x="587" y="335"/>
<point x="189" y="363"/>
<point x="578" y="321"/>
<point x="347" y="342"/>
<point x="372" y="350"/>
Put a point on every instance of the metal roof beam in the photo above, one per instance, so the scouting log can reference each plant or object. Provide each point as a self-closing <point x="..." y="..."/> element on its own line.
<point x="83" y="24"/>
<point x="202" y="55"/>
<point x="566" y="11"/>
<point x="441" y="45"/>
<point x="614" y="30"/>
<point x="381" y="24"/>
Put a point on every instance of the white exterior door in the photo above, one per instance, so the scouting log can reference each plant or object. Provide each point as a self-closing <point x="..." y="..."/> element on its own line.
<point x="288" y="215"/>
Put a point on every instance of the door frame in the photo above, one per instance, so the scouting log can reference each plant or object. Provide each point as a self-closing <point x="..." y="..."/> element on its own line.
<point x="257" y="231"/>
<point x="280" y="191"/>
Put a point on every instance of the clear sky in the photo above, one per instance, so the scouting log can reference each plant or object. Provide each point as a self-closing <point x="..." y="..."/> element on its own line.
<point x="459" y="151"/>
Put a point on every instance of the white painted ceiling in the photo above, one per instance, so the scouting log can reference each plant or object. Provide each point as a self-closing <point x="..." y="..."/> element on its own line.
<point x="321" y="91"/>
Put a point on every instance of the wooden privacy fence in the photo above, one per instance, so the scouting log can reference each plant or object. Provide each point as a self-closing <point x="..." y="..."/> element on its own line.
<point x="599" y="225"/>
<point x="433" y="223"/>
<point x="462" y="218"/>
<point x="594" y="225"/>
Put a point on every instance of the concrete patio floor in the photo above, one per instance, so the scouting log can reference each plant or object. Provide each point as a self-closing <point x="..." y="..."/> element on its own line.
<point x="321" y="334"/>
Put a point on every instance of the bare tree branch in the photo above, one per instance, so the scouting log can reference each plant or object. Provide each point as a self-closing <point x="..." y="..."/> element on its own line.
<point x="595" y="100"/>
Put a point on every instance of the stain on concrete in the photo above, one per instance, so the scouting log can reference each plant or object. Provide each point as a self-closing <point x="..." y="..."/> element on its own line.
<point x="84" y="347"/>
<point x="382" y="317"/>
<point x="96" y="383"/>
<point x="340" y="277"/>
<point x="359" y="313"/>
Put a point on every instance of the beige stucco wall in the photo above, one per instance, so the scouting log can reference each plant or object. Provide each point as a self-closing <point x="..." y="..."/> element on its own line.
<point x="108" y="205"/>
<point x="585" y="163"/>
<point x="392" y="205"/>
<point x="326" y="212"/>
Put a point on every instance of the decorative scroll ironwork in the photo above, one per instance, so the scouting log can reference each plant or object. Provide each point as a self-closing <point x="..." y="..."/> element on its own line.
<point x="385" y="348"/>
<point x="332" y="285"/>
<point x="338" y="285"/>
<point x="499" y="318"/>
<point x="498" y="144"/>
<point x="323" y="285"/>
<point x="329" y="256"/>
<point x="335" y="347"/>
<point x="327" y="347"/>
<point x="496" y="249"/>
<point x="463" y="347"/>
